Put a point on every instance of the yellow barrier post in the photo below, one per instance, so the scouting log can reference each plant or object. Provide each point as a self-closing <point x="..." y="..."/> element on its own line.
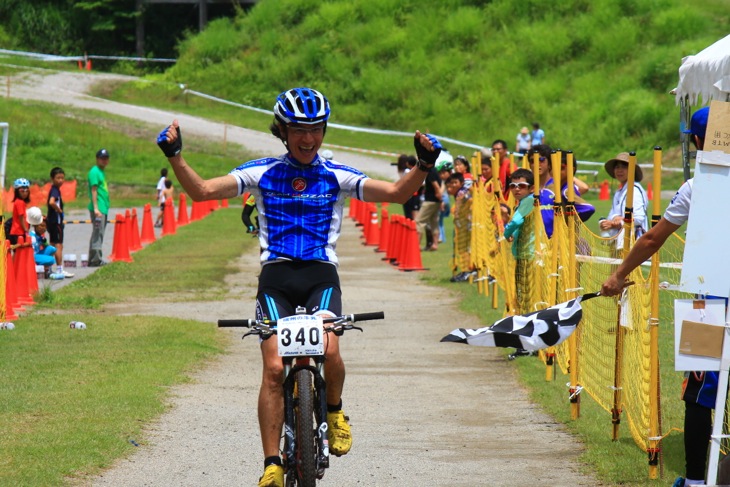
<point x="655" y="425"/>
<point x="628" y="230"/>
<point x="571" y="285"/>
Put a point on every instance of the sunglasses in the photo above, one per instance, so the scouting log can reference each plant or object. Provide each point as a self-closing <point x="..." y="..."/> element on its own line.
<point x="519" y="185"/>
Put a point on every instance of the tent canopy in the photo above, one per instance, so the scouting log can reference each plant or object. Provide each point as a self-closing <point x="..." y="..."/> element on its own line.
<point x="706" y="75"/>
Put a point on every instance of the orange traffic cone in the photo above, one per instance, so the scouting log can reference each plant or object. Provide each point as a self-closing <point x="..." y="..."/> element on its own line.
<point x="168" y="220"/>
<point x="11" y="299"/>
<point x="395" y="245"/>
<point x="28" y="254"/>
<point x="148" y="230"/>
<point x="196" y="212"/>
<point x="605" y="193"/>
<point x="373" y="228"/>
<point x="353" y="208"/>
<point x="412" y="251"/>
<point x="133" y="231"/>
<point x="182" y="211"/>
<point x="224" y="204"/>
<point x="649" y="191"/>
<point x="120" y="246"/>
<point x="384" y="230"/>
<point x="21" y="273"/>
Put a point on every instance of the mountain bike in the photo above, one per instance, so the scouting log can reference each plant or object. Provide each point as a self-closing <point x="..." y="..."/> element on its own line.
<point x="300" y="343"/>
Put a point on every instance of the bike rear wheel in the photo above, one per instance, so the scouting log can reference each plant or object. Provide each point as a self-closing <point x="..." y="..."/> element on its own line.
<point x="306" y="440"/>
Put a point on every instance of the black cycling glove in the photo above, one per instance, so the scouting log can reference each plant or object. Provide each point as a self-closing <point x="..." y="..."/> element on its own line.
<point x="427" y="158"/>
<point x="170" y="149"/>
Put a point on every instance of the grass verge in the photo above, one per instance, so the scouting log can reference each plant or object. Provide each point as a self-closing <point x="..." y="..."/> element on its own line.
<point x="74" y="400"/>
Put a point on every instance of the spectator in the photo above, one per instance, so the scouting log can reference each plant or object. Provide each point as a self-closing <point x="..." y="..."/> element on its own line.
<point x="54" y="220"/>
<point x="43" y="254"/>
<point x="699" y="388"/>
<point x="248" y="206"/>
<point x="410" y="207"/>
<point x="537" y="134"/>
<point x="522" y="236"/>
<point x="499" y="149"/>
<point x="618" y="168"/>
<point x="21" y="199"/>
<point x="161" y="197"/>
<point x="456" y="188"/>
<point x="520" y="231"/>
<point x="428" y="215"/>
<point x="98" y="207"/>
<point x="462" y="166"/>
<point x="547" y="196"/>
<point x="524" y="142"/>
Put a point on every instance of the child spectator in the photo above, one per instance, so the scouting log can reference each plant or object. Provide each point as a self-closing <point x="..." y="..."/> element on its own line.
<point x="462" y="225"/>
<point x="169" y="192"/>
<point x="161" y="197"/>
<point x="54" y="220"/>
<point x="43" y="254"/>
<point x="520" y="231"/>
<point x="19" y="227"/>
<point x="461" y="165"/>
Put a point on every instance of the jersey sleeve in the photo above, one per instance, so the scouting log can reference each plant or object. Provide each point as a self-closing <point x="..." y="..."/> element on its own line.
<point x="678" y="210"/>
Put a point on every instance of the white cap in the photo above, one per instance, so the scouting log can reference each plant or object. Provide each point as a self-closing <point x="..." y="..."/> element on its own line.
<point x="34" y="215"/>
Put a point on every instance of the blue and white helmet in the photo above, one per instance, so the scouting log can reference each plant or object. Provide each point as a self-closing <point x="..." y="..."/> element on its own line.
<point x="21" y="183"/>
<point x="302" y="105"/>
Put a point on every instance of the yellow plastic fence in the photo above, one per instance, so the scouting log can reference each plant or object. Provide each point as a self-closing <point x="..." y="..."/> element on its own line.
<point x="613" y="357"/>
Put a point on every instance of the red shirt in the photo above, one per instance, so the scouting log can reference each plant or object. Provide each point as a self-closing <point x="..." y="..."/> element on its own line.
<point x="18" y="216"/>
<point x="505" y="170"/>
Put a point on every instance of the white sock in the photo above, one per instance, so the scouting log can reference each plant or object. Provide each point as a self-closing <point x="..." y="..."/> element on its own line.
<point x="693" y="482"/>
<point x="59" y="269"/>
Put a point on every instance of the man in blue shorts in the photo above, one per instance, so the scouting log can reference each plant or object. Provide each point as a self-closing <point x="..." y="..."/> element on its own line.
<point x="300" y="198"/>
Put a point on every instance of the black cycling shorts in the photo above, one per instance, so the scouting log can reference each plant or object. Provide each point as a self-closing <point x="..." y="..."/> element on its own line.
<point x="285" y="285"/>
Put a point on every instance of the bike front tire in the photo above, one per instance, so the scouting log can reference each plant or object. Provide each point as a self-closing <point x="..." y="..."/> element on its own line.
<point x="306" y="439"/>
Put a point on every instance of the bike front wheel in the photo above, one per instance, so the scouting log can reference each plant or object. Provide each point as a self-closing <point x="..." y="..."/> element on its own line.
<point x="306" y="439"/>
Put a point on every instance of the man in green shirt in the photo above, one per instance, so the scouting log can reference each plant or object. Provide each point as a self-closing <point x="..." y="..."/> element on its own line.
<point x="98" y="207"/>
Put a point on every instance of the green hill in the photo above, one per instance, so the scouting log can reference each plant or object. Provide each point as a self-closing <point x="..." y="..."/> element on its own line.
<point x="595" y="73"/>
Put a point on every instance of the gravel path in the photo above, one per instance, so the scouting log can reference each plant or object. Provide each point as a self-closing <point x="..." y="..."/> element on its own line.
<point x="423" y="413"/>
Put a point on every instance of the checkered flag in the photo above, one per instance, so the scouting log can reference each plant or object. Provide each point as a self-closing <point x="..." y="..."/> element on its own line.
<point x="542" y="329"/>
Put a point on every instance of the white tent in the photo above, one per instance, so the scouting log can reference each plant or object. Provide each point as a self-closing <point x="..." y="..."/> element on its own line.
<point x="705" y="75"/>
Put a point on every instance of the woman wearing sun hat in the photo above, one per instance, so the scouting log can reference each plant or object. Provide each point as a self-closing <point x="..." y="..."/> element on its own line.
<point x="618" y="168"/>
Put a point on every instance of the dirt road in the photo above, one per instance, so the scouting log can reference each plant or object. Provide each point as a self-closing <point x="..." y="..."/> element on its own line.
<point x="423" y="413"/>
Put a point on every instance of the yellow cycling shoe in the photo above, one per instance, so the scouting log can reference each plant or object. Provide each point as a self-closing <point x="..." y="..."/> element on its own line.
<point x="273" y="477"/>
<point x="340" y="437"/>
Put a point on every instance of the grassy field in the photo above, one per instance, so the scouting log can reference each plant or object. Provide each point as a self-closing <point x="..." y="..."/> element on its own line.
<point x="74" y="401"/>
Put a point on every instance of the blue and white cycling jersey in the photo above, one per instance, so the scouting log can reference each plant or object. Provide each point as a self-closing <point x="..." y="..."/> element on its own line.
<point x="300" y="206"/>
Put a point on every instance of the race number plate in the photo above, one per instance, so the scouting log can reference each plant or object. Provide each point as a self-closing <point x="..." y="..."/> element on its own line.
<point x="300" y="335"/>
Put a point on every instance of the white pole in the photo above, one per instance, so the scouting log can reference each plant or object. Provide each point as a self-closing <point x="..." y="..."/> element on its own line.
<point x="3" y="153"/>
<point x="717" y="436"/>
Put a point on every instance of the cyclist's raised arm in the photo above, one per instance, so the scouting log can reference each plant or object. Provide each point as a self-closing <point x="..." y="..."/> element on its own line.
<point x="199" y="189"/>
<point x="428" y="149"/>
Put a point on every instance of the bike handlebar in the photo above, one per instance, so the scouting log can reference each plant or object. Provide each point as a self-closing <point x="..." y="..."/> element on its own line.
<point x="376" y="315"/>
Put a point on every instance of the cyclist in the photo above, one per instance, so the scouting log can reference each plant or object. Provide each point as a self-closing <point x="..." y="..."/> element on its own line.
<point x="300" y="199"/>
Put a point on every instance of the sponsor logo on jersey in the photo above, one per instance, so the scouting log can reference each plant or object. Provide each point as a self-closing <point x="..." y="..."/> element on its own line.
<point x="299" y="184"/>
